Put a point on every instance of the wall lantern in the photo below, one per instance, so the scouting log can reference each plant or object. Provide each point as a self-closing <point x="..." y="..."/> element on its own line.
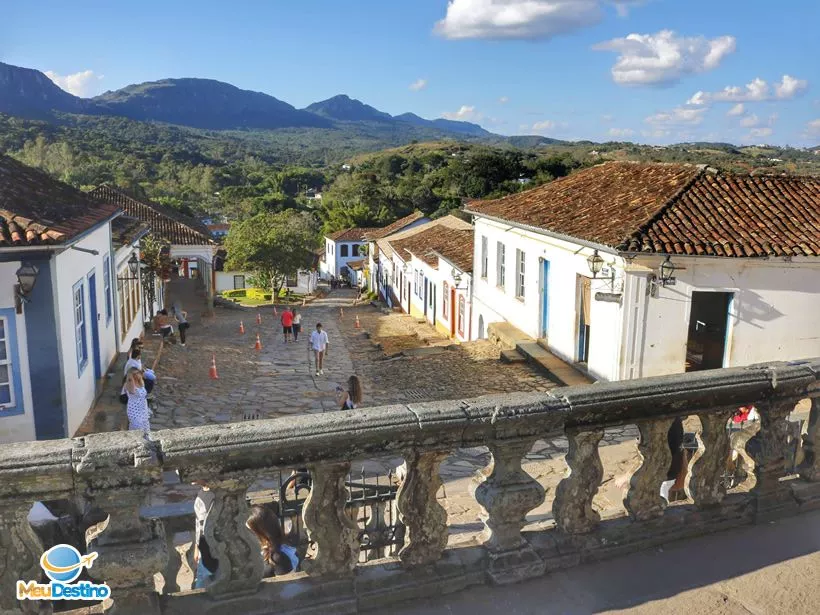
<point x="408" y="268"/>
<point x="133" y="264"/>
<point x="596" y="263"/>
<point x="26" y="279"/>
<point x="667" y="272"/>
<point x="456" y="276"/>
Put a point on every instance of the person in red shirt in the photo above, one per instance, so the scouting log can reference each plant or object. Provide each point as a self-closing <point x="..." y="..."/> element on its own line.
<point x="287" y="323"/>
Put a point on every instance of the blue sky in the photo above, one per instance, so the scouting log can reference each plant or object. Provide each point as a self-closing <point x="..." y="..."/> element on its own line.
<point x="651" y="71"/>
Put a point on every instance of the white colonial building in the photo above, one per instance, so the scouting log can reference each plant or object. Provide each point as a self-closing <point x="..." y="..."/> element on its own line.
<point x="342" y="248"/>
<point x="628" y="270"/>
<point x="402" y="224"/>
<point x="59" y="322"/>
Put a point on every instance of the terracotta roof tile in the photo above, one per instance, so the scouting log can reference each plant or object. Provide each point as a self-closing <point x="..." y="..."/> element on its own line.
<point x="165" y="223"/>
<point x="737" y="215"/>
<point x="36" y="209"/>
<point x="453" y="244"/>
<point x="395" y="226"/>
<point x="126" y="230"/>
<point x="449" y="221"/>
<point x="672" y="209"/>
<point x="350" y="234"/>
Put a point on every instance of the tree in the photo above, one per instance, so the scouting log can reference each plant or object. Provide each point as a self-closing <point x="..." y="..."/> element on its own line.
<point x="272" y="246"/>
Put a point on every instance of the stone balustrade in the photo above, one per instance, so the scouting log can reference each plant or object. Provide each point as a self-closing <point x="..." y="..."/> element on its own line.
<point x="115" y="471"/>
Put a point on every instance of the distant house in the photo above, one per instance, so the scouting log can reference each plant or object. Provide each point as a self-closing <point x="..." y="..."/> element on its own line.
<point x="440" y="268"/>
<point x="629" y="270"/>
<point x="341" y="248"/>
<point x="190" y="243"/>
<point x="402" y="224"/>
<point x="400" y="286"/>
<point x="218" y="230"/>
<point x="59" y="319"/>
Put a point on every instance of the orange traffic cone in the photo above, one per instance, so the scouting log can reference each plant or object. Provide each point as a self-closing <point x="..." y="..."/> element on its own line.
<point x="258" y="345"/>
<point x="341" y="313"/>
<point x="241" y="328"/>
<point x="258" y="318"/>
<point x="358" y="324"/>
<point x="212" y="372"/>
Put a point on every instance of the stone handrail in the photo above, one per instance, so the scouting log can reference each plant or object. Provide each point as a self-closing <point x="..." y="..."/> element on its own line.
<point x="115" y="472"/>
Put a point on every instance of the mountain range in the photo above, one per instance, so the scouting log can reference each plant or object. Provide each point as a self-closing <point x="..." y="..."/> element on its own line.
<point x="208" y="104"/>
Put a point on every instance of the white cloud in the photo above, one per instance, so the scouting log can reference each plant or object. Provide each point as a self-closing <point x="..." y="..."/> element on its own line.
<point x="543" y="126"/>
<point x="738" y="109"/>
<point x="664" y="57"/>
<point x="656" y="133"/>
<point x="621" y="132"/>
<point x="760" y="132"/>
<point x="813" y="127"/>
<point x="789" y="87"/>
<point x="523" y="19"/>
<point x="754" y="91"/>
<point x="607" y="118"/>
<point x="84" y="83"/>
<point x="504" y="100"/>
<point x="418" y="84"/>
<point x="677" y="117"/>
<point x="749" y="121"/>
<point x="465" y="113"/>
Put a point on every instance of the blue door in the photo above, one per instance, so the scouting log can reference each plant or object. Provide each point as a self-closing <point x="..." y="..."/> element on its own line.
<point x="545" y="298"/>
<point x="95" y="329"/>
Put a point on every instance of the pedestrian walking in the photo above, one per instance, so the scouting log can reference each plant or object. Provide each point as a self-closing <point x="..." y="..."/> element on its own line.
<point x="352" y="397"/>
<point x="287" y="323"/>
<point x="137" y="408"/>
<point x="181" y="316"/>
<point x="278" y="557"/>
<point x="297" y="325"/>
<point x="319" y="344"/>
<point x="162" y="324"/>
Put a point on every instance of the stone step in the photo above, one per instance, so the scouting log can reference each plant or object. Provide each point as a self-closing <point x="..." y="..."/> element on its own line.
<point x="511" y="355"/>
<point x="557" y="369"/>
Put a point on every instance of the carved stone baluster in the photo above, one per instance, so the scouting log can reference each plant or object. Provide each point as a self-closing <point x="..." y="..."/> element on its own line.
<point x="810" y="468"/>
<point x="768" y="450"/>
<point x="335" y="537"/>
<point x="118" y="470"/>
<point x="173" y="566"/>
<point x="234" y="546"/>
<point x="643" y="500"/>
<point x="507" y="493"/>
<point x="419" y="510"/>
<point x="572" y="507"/>
<point x="20" y="551"/>
<point x="707" y="484"/>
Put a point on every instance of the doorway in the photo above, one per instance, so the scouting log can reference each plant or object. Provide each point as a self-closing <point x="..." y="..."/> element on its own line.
<point x="545" y="271"/>
<point x="708" y="327"/>
<point x="95" y="325"/>
<point x="584" y="294"/>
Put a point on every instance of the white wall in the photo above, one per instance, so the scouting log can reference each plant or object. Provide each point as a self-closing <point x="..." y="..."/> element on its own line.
<point x="774" y="314"/>
<point x="334" y="258"/>
<point x="567" y="260"/>
<point x="224" y="280"/>
<point x="17" y="427"/>
<point x="70" y="267"/>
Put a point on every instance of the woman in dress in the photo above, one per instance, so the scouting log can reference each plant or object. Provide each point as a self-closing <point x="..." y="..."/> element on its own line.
<point x="352" y="397"/>
<point x="137" y="408"/>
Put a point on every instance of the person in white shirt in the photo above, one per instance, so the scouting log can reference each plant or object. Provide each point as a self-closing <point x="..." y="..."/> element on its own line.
<point x="319" y="344"/>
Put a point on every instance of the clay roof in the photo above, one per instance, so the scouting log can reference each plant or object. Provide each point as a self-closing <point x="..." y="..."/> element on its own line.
<point x="356" y="265"/>
<point x="166" y="223"/>
<point x="36" y="209"/>
<point x="737" y="215"/>
<point x="350" y="234"/>
<point x="395" y="226"/>
<point x="453" y="244"/>
<point x="386" y="244"/>
<point x="672" y="209"/>
<point x="126" y="230"/>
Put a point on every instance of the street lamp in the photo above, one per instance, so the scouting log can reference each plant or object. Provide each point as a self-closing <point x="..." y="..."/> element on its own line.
<point x="26" y="279"/>
<point x="596" y="263"/>
<point x="456" y="276"/>
<point x="667" y="271"/>
<point x="133" y="264"/>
